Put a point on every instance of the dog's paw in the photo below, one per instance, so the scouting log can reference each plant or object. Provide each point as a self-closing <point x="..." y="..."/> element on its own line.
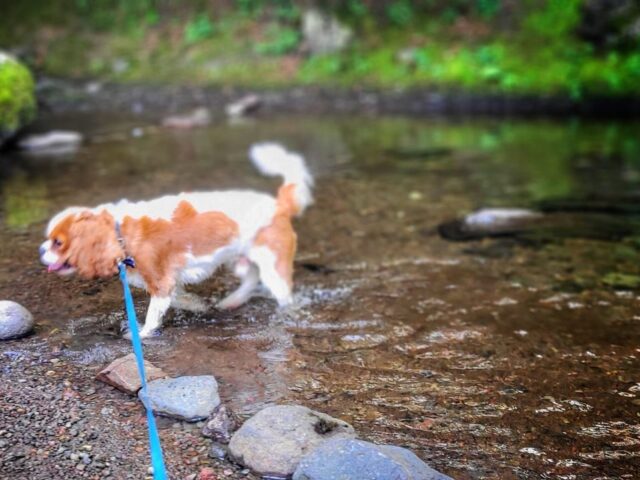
<point x="229" y="304"/>
<point x="148" y="333"/>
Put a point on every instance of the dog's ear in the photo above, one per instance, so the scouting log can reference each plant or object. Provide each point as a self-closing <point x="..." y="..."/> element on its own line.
<point x="94" y="249"/>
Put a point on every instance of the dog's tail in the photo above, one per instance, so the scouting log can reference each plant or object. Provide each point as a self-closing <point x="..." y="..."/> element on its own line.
<point x="273" y="160"/>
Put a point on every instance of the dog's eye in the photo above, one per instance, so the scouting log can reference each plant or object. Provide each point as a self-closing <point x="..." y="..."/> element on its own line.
<point x="57" y="243"/>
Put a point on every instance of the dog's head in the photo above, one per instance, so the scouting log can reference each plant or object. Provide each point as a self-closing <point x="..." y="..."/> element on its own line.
<point x="80" y="240"/>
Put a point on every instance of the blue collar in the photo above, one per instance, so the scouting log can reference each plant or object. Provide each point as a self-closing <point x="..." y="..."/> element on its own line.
<point x="127" y="260"/>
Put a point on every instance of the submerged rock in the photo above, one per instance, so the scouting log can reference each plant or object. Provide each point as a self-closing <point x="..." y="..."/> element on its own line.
<point x="186" y="398"/>
<point x="56" y="142"/>
<point x="199" y="117"/>
<point x="243" y="106"/>
<point x="123" y="374"/>
<point x="15" y="320"/>
<point x="17" y="98"/>
<point x="350" y="459"/>
<point x="275" y="439"/>
<point x="323" y="33"/>
<point x="220" y="425"/>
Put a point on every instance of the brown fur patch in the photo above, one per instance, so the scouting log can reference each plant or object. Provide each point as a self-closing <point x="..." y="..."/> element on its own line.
<point x="91" y="244"/>
<point x="279" y="235"/>
<point x="159" y="246"/>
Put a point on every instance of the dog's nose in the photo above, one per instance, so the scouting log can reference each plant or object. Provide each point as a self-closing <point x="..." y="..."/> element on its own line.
<point x="42" y="250"/>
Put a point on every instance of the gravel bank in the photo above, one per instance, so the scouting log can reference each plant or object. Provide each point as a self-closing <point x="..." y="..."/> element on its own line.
<point x="58" y="422"/>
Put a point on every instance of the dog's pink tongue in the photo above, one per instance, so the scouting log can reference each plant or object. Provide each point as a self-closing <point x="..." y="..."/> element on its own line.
<point x="54" y="268"/>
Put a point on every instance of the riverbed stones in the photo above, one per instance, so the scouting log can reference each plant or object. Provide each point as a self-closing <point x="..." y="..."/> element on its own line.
<point x="122" y="374"/>
<point x="15" y="320"/>
<point x="220" y="424"/>
<point x="350" y="459"/>
<point x="275" y="439"/>
<point x="191" y="398"/>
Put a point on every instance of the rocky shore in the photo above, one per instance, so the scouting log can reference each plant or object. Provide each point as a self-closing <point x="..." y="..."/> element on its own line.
<point x="66" y="95"/>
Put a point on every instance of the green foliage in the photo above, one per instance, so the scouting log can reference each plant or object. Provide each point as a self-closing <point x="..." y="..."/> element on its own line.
<point x="279" y="40"/>
<point x="198" y="29"/>
<point x="487" y="8"/>
<point x="398" y="43"/>
<point x="400" y="13"/>
<point x="17" y="99"/>
<point x="556" y="20"/>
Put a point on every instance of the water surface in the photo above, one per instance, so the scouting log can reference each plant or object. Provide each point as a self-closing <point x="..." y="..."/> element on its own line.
<point x="498" y="358"/>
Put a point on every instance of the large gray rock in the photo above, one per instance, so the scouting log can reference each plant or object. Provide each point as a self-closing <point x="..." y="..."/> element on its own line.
<point x="323" y="33"/>
<point x="15" y="320"/>
<point x="275" y="439"/>
<point x="348" y="459"/>
<point x="186" y="398"/>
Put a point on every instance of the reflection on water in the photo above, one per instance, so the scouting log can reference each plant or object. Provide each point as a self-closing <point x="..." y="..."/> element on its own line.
<point x="492" y="359"/>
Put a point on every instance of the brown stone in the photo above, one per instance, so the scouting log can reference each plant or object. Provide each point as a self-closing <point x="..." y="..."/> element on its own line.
<point x="207" y="474"/>
<point x="123" y="374"/>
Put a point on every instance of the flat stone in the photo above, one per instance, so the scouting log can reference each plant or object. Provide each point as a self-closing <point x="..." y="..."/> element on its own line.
<point x="123" y="374"/>
<point x="350" y="459"/>
<point x="15" y="320"/>
<point x="186" y="398"/>
<point x="273" y="441"/>
<point x="51" y="143"/>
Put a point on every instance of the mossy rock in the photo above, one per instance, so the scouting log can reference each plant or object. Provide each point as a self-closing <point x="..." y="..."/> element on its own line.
<point x="622" y="281"/>
<point x="17" y="98"/>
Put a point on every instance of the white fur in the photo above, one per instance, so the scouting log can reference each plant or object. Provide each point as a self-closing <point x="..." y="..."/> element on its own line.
<point x="265" y="260"/>
<point x="273" y="160"/>
<point x="250" y="210"/>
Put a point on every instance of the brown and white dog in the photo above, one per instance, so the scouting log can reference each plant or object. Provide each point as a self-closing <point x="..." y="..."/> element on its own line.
<point x="182" y="239"/>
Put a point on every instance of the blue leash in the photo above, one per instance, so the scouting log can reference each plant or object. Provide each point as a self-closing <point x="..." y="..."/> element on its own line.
<point x="159" y="471"/>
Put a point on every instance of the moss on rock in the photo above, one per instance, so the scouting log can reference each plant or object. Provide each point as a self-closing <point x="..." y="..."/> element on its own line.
<point x="17" y="99"/>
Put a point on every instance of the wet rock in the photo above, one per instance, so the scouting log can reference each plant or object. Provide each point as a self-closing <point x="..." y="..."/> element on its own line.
<point x="275" y="439"/>
<point x="220" y="425"/>
<point x="185" y="398"/>
<point x="56" y="142"/>
<point x="243" y="106"/>
<point x="17" y="98"/>
<point x="489" y="222"/>
<point x="199" y="117"/>
<point x="123" y="374"/>
<point x="350" y="459"/>
<point x="323" y="33"/>
<point x="15" y="320"/>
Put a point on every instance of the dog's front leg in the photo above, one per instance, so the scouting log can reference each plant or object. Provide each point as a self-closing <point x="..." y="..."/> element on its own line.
<point x="158" y="306"/>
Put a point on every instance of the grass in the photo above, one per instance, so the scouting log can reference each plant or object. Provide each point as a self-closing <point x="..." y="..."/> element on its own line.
<point x="256" y="46"/>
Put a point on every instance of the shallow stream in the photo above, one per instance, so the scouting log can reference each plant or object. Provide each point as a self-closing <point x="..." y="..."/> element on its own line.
<point x="497" y="358"/>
